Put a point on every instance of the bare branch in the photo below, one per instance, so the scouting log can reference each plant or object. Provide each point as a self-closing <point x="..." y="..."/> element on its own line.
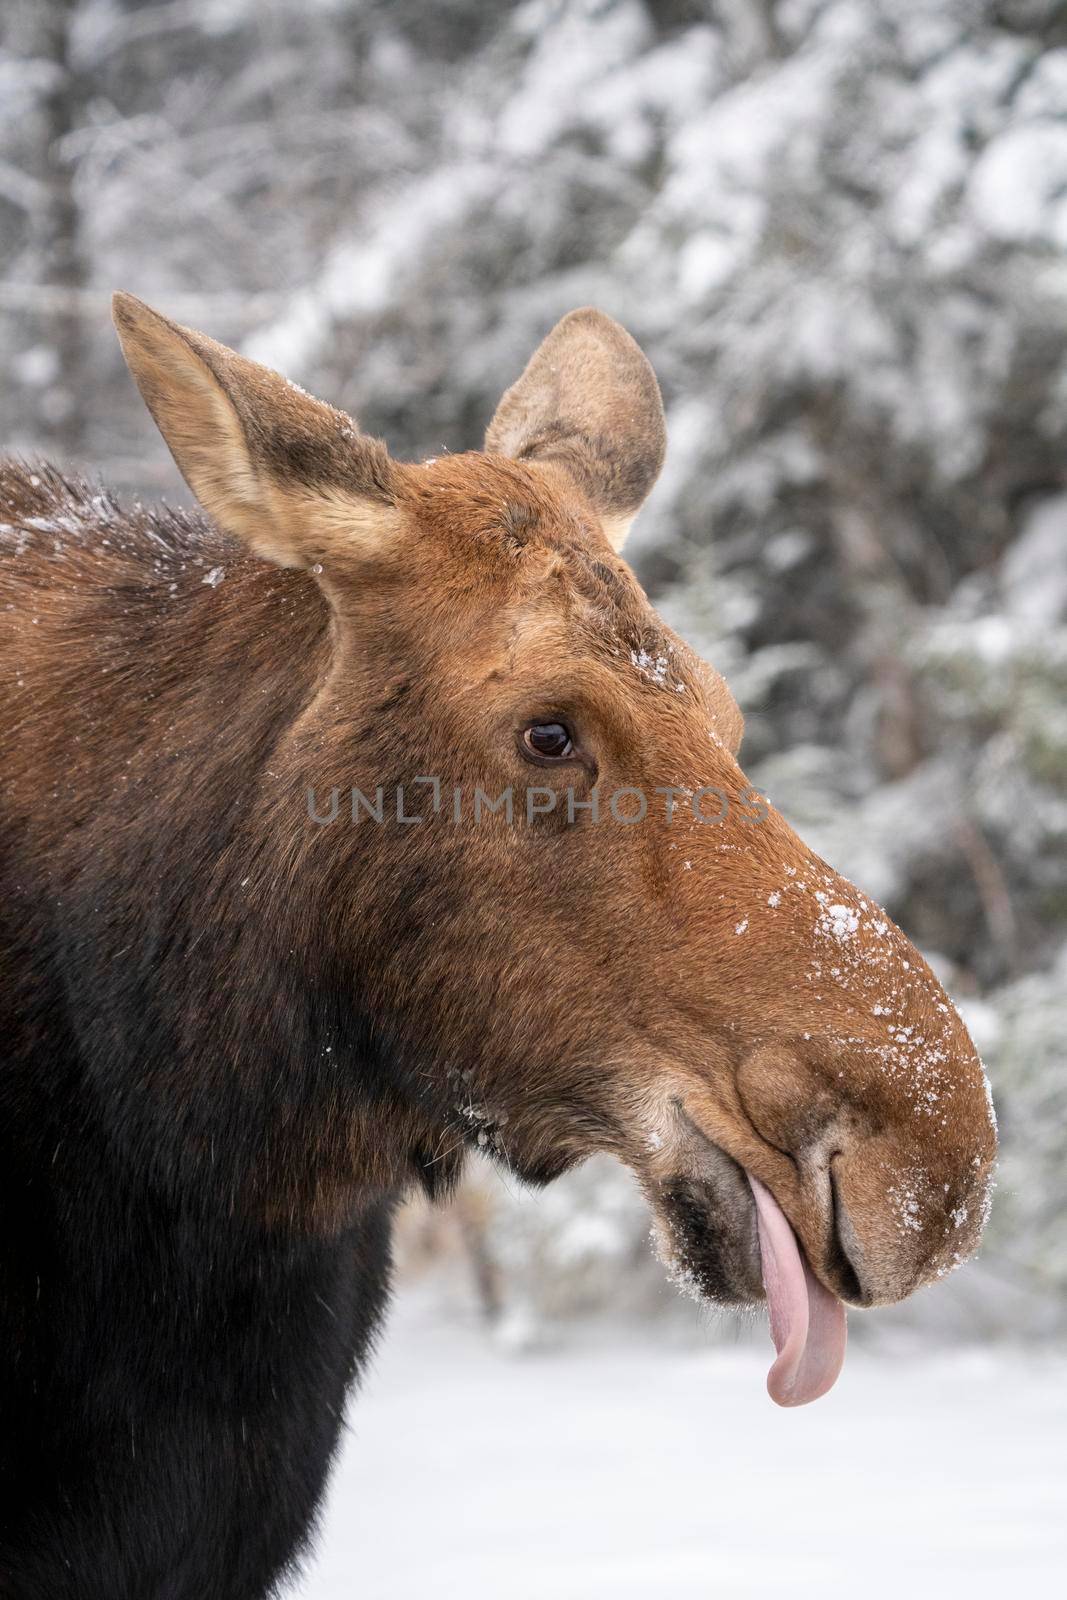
<point x="20" y="189"/>
<point x="53" y="300"/>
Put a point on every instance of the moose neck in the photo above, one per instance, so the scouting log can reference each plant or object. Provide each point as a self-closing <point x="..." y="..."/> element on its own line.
<point x="172" y="777"/>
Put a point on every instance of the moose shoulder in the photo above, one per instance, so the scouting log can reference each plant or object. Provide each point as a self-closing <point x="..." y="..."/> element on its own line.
<point x="245" y="1004"/>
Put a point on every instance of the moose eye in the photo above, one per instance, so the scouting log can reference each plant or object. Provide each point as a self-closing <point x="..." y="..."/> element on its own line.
<point x="548" y="741"/>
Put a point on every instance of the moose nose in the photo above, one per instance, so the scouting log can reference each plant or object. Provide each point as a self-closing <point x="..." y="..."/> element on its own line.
<point x="845" y="1265"/>
<point x="902" y="1211"/>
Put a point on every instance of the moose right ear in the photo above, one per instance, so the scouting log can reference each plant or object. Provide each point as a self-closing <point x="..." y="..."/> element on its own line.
<point x="291" y="476"/>
<point x="588" y="402"/>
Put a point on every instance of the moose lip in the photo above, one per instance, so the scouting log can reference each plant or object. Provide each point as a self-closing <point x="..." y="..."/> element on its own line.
<point x="707" y="1229"/>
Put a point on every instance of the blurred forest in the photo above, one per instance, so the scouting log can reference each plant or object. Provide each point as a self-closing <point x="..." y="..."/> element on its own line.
<point x="839" y="228"/>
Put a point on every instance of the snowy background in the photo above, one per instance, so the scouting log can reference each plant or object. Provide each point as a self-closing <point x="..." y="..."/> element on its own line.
<point x="839" y="227"/>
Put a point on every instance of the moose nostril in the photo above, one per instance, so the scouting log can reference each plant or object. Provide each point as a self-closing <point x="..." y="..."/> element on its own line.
<point x="845" y="1262"/>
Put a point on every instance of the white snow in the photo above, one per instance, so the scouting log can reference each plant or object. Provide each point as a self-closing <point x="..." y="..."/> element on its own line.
<point x="361" y="275"/>
<point x="654" y="668"/>
<point x="631" y="1469"/>
<point x="1017" y="186"/>
<point x="836" y="921"/>
<point x="1034" y="571"/>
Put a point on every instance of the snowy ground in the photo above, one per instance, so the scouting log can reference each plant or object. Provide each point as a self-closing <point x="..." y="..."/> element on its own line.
<point x="638" y="1469"/>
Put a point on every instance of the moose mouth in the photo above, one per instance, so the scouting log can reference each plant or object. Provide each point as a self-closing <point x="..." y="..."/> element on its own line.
<point x="725" y="1238"/>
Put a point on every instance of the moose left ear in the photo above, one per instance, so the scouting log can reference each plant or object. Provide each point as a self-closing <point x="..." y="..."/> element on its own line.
<point x="292" y="477"/>
<point x="589" y="402"/>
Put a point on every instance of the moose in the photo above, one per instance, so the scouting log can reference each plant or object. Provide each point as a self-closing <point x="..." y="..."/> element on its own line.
<point x="234" y="1036"/>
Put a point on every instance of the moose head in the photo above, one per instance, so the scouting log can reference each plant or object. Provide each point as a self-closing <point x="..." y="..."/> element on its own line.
<point x="595" y="935"/>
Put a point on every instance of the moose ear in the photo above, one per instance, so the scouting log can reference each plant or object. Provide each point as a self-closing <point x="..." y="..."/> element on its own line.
<point x="588" y="401"/>
<point x="289" y="475"/>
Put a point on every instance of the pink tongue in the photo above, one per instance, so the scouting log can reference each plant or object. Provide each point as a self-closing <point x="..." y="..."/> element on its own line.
<point x="807" y="1321"/>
